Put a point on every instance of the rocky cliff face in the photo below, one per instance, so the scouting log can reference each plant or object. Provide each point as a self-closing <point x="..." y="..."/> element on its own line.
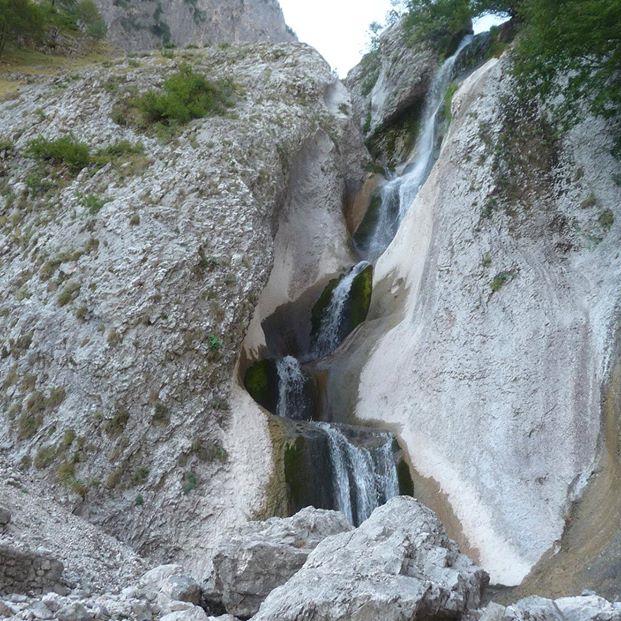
<point x="149" y="24"/>
<point x="128" y="288"/>
<point x="497" y="307"/>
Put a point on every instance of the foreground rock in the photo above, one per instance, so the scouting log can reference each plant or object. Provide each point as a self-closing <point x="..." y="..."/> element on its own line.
<point x="587" y="608"/>
<point x="398" y="565"/>
<point x="260" y="556"/>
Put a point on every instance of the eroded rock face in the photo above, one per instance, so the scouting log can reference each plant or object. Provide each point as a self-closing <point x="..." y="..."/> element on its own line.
<point x="398" y="565"/>
<point x="121" y="323"/>
<point x="390" y="80"/>
<point x="260" y="556"/>
<point x="152" y="23"/>
<point x="504" y="278"/>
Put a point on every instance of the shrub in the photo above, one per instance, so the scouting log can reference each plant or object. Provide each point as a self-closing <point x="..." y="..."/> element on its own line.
<point x="116" y="425"/>
<point x="215" y="344"/>
<point x="606" y="219"/>
<point x="69" y="293"/>
<point x="20" y="19"/>
<point x="189" y="482"/>
<point x="92" y="203"/>
<point x="185" y="95"/>
<point x="140" y="475"/>
<point x="66" y="150"/>
<point x="501" y="279"/>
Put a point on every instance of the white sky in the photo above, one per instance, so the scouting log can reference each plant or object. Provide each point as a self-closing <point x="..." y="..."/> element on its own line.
<point x="339" y="28"/>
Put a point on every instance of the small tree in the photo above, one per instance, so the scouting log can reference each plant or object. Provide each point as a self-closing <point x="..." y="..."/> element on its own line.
<point x="19" y="19"/>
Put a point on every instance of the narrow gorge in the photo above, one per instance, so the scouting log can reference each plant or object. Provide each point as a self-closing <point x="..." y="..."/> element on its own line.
<point x="276" y="345"/>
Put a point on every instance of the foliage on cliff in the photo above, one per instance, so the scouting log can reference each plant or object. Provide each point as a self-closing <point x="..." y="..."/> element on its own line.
<point x="26" y="23"/>
<point x="575" y="38"/>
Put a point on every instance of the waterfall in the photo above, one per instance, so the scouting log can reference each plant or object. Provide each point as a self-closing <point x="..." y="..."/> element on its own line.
<point x="364" y="477"/>
<point x="329" y="336"/>
<point x="399" y="193"/>
<point x="291" y="395"/>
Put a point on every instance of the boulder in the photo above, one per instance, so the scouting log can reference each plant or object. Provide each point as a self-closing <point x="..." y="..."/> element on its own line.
<point x="195" y="614"/>
<point x="260" y="556"/>
<point x="584" y="608"/>
<point x="172" y="581"/>
<point x="399" y="565"/>
<point x="74" y="612"/>
<point x="5" y="516"/>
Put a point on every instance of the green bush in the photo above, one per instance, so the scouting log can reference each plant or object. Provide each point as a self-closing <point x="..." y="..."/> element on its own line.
<point x="185" y="95"/>
<point x="20" y="19"/>
<point x="64" y="151"/>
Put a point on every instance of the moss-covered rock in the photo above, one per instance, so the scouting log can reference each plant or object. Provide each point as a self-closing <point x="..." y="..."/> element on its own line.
<point x="369" y="223"/>
<point x="357" y="307"/>
<point x="261" y="382"/>
<point x="406" y="485"/>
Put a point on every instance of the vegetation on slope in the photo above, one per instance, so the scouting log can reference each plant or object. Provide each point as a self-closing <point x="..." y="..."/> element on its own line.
<point x="575" y="38"/>
<point x="26" y="23"/>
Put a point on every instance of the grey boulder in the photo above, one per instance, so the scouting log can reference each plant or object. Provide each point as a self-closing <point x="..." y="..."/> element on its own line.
<point x="260" y="556"/>
<point x="5" y="516"/>
<point x="399" y="565"/>
<point x="589" y="608"/>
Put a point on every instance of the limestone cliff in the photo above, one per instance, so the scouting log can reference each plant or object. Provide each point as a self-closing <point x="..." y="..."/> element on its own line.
<point x="148" y="24"/>
<point x="129" y="287"/>
<point x="497" y="307"/>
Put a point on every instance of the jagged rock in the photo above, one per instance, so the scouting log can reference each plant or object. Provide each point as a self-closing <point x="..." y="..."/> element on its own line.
<point x="241" y="579"/>
<point x="5" y="610"/>
<point x="195" y="614"/>
<point x="150" y="24"/>
<point x="391" y="80"/>
<point x="173" y="582"/>
<point x="398" y="565"/>
<point x="5" y="516"/>
<point x="586" y="608"/>
<point x="74" y="612"/>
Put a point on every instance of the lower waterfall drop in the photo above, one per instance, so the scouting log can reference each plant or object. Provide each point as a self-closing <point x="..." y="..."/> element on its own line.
<point x="363" y="477"/>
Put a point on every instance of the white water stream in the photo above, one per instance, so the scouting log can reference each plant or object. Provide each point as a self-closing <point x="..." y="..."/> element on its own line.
<point x="399" y="193"/>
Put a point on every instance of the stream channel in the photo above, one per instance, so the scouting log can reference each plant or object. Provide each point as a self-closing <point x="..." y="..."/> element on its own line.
<point x="334" y="465"/>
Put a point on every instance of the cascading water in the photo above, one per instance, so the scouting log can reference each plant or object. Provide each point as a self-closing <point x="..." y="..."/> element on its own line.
<point x="361" y="464"/>
<point x="399" y="193"/>
<point x="291" y="394"/>
<point x="364" y="477"/>
<point x="330" y="337"/>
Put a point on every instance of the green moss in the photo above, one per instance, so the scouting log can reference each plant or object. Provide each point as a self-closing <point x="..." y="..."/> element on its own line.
<point x="501" y="279"/>
<point x="295" y="467"/>
<point x="261" y="382"/>
<point x="406" y="485"/>
<point x="606" y="219"/>
<point x="359" y="299"/>
<point x="448" y="101"/>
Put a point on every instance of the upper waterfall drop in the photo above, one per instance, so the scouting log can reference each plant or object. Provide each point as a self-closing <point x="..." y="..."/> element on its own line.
<point x="330" y="332"/>
<point x="399" y="192"/>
